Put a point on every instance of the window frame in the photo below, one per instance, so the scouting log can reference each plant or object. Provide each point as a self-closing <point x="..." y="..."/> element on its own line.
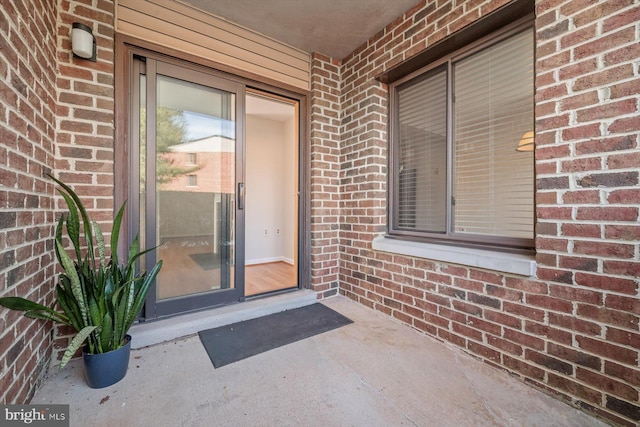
<point x="450" y="237"/>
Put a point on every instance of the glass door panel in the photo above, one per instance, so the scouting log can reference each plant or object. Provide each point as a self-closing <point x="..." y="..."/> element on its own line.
<point x="190" y="152"/>
<point x="195" y="187"/>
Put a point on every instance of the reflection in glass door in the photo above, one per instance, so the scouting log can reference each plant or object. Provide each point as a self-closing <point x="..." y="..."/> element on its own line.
<point x="188" y="152"/>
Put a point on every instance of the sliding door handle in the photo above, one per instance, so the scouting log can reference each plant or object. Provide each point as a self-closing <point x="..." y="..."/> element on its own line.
<point x="241" y="195"/>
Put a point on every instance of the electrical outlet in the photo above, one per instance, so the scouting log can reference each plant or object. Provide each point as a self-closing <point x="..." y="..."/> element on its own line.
<point x="266" y="232"/>
<point x="277" y="231"/>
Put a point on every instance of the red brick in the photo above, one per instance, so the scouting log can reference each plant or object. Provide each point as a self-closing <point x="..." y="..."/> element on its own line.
<point x="628" y="338"/>
<point x="607" y="213"/>
<point x="554" y="275"/>
<point x="579" y="132"/>
<point x="603" y="78"/>
<point x="600" y="44"/>
<point x="607" y="283"/>
<point x="607" y="350"/>
<point x="523" y="367"/>
<point x="505" y="345"/>
<point x="625" y="373"/>
<point x="574" y="356"/>
<point x="623" y="161"/>
<point x="581" y="197"/>
<point x="575" y="324"/>
<point x="523" y="311"/>
<point x="581" y="230"/>
<point x="623" y="268"/>
<point x="611" y="316"/>
<point x="484" y="351"/>
<point x="606" y="384"/>
<point x="623" y="303"/>
<point x="579" y="390"/>
<point x="603" y="145"/>
<point x="620" y="232"/>
<point x="578" y="263"/>
<point x="506" y="319"/>
<point x="626" y="17"/>
<point x="466" y="331"/>
<point x="609" y="250"/>
<point x="627" y="124"/>
<point x="600" y="10"/>
<point x="554" y="212"/>
<point x="550" y="332"/>
<point x="578" y="36"/>
<point x="549" y="362"/>
<point x="573" y="293"/>
<point x="551" y="303"/>
<point x="613" y="109"/>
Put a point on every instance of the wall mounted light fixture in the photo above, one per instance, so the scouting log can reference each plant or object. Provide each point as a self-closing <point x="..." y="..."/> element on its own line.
<point x="83" y="44"/>
<point x="526" y="142"/>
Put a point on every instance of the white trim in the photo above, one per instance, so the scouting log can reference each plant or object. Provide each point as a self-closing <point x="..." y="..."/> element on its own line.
<point x="268" y="260"/>
<point x="523" y="265"/>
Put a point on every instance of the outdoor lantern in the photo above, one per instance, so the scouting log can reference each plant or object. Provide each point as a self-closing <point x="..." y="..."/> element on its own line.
<point x="83" y="44"/>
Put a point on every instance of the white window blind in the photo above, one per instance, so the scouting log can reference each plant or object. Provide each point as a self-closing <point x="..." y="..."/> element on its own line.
<point x="493" y="183"/>
<point x="490" y="103"/>
<point x="422" y="168"/>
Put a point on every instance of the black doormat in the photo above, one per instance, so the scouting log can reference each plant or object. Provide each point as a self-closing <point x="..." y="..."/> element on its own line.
<point x="230" y="343"/>
<point x="207" y="260"/>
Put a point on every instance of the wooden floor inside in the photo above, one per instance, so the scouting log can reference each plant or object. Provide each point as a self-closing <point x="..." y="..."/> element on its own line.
<point x="182" y="275"/>
<point x="273" y="276"/>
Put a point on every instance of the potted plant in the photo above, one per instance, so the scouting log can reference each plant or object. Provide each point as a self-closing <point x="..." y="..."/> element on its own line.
<point x="99" y="298"/>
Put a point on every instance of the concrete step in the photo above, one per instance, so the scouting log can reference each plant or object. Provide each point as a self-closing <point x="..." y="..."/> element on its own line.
<point x="154" y="332"/>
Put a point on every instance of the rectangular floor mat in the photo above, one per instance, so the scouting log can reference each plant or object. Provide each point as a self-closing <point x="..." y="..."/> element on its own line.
<point x="230" y="343"/>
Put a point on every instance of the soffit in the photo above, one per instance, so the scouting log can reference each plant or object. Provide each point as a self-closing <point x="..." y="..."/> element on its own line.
<point x="331" y="27"/>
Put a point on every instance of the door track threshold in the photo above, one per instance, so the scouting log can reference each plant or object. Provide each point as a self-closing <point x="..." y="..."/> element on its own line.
<point x="154" y="332"/>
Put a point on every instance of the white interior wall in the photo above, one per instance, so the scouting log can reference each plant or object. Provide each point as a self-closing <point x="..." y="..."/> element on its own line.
<point x="290" y="190"/>
<point x="269" y="204"/>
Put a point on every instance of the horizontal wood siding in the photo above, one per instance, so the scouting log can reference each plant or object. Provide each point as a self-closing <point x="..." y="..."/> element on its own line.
<point x="179" y="26"/>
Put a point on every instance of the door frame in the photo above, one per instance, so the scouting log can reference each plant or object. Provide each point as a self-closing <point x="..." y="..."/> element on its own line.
<point x="125" y="49"/>
<point x="153" y="68"/>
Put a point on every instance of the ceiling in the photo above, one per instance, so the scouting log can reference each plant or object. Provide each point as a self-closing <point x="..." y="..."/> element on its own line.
<point x="331" y="27"/>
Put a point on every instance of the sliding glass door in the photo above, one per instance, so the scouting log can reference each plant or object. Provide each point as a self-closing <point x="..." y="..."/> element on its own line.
<point x="188" y="158"/>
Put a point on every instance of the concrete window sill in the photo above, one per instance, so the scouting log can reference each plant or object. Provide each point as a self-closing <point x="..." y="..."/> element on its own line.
<point x="523" y="265"/>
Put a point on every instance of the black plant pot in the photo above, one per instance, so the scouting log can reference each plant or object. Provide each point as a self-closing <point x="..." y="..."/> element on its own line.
<point x="105" y="369"/>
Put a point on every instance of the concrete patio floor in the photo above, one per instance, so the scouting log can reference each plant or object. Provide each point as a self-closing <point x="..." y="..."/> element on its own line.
<point x="374" y="372"/>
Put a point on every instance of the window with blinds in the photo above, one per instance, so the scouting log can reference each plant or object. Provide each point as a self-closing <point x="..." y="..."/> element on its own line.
<point x="458" y="171"/>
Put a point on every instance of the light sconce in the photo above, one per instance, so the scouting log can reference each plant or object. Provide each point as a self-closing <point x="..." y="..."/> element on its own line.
<point x="83" y="44"/>
<point x="526" y="142"/>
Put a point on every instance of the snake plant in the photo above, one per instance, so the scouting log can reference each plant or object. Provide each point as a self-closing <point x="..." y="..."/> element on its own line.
<point x="99" y="298"/>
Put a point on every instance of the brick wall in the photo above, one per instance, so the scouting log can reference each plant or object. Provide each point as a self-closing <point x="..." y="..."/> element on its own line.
<point x="572" y="331"/>
<point x="57" y="117"/>
<point x="325" y="170"/>
<point x="85" y="118"/>
<point x="27" y="133"/>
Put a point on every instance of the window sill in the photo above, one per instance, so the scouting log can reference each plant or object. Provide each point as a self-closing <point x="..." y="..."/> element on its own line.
<point x="523" y="265"/>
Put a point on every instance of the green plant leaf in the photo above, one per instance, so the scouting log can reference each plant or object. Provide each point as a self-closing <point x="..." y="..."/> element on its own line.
<point x="46" y="315"/>
<point x="115" y="233"/>
<point x="22" y="304"/>
<point x="75" y="344"/>
<point x="68" y="305"/>
<point x="33" y="309"/>
<point x="102" y="251"/>
<point x="106" y="334"/>
<point x="73" y="223"/>
<point x="120" y="306"/>
<point x="85" y="218"/>
<point x="141" y="295"/>
<point x="58" y="235"/>
<point x="76" y="287"/>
